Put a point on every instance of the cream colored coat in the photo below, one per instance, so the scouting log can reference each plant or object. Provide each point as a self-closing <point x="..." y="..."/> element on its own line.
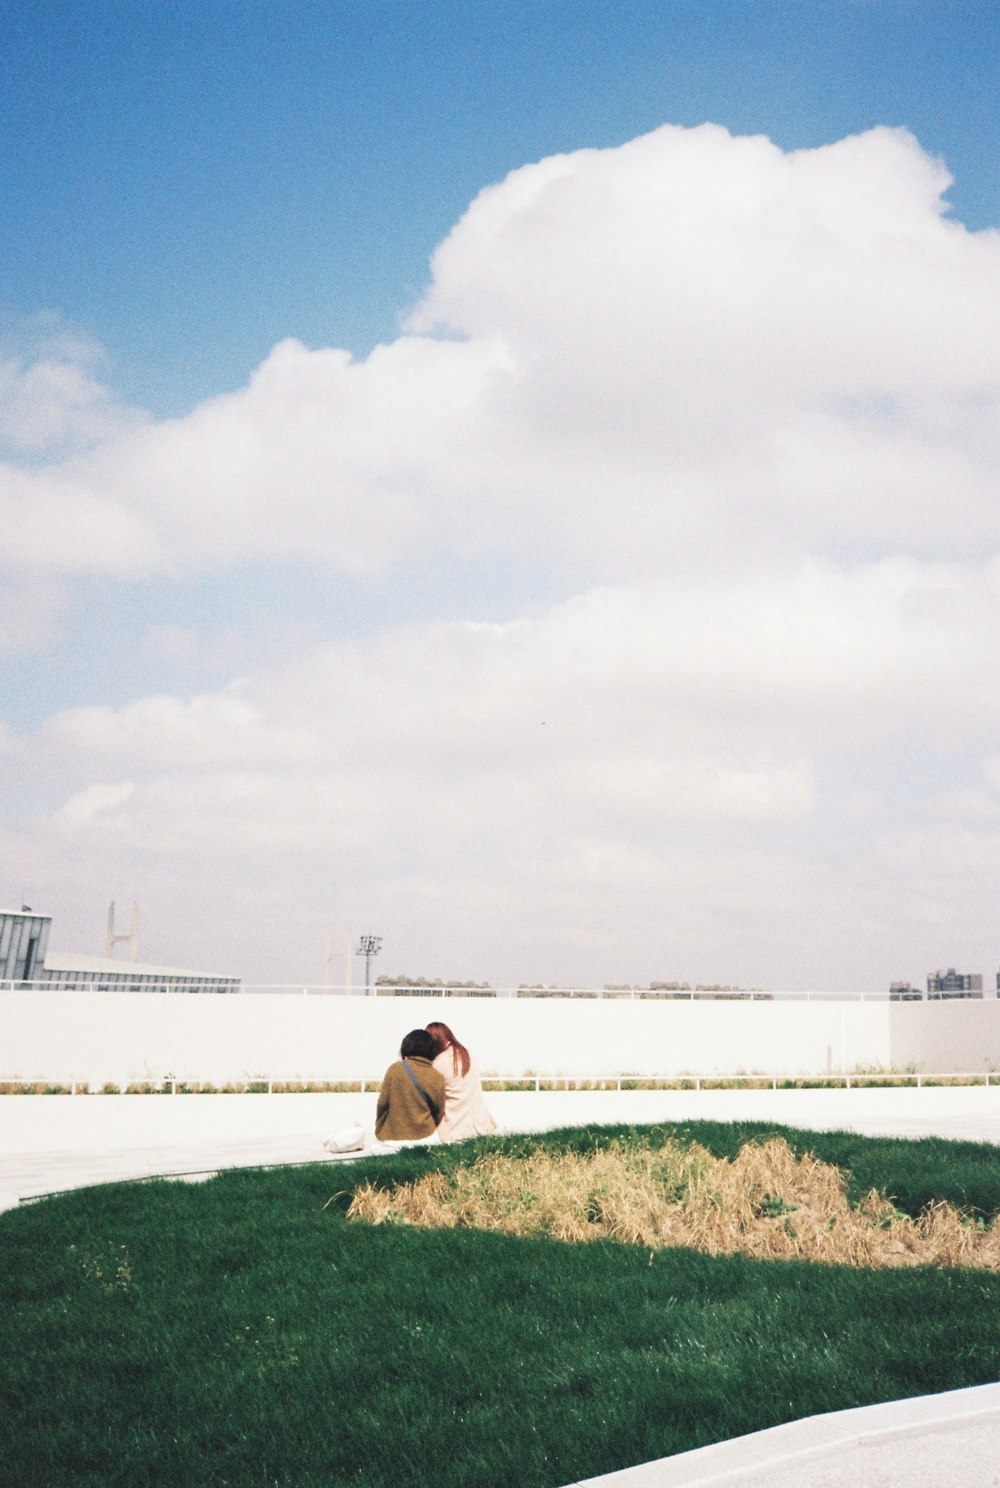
<point x="465" y="1111"/>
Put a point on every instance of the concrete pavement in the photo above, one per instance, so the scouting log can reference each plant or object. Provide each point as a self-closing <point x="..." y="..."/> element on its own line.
<point x="931" y="1441"/>
<point x="49" y="1143"/>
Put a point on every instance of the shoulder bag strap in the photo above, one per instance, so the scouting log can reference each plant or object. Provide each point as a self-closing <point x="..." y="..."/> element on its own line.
<point x="429" y="1103"/>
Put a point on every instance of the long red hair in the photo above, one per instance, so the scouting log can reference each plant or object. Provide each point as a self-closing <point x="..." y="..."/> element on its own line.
<point x="461" y="1058"/>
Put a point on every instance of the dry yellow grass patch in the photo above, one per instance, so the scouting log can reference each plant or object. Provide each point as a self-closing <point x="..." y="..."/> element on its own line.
<point x="766" y="1203"/>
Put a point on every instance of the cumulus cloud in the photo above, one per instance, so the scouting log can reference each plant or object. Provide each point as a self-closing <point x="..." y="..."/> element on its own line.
<point x="648" y="353"/>
<point x="51" y="401"/>
<point x="319" y="458"/>
<point x="746" y="403"/>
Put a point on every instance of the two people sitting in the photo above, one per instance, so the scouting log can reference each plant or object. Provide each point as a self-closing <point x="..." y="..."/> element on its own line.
<point x="433" y="1092"/>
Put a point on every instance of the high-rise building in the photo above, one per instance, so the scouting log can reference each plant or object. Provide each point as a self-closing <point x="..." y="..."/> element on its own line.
<point x="952" y="983"/>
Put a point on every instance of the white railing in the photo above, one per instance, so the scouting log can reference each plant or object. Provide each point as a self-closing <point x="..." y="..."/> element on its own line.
<point x="368" y="1084"/>
<point x="119" y="983"/>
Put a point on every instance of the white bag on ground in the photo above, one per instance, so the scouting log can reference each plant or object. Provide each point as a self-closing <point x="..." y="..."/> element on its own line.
<point x="348" y="1139"/>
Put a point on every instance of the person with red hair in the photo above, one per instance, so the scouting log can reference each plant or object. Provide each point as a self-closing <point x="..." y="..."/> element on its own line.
<point x="465" y="1111"/>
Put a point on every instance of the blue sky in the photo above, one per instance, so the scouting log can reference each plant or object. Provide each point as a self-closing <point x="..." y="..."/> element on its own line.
<point x="190" y="183"/>
<point x="738" y="399"/>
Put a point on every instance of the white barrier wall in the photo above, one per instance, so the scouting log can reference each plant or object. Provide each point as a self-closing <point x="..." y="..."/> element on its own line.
<point x="962" y="1035"/>
<point x="98" y="1037"/>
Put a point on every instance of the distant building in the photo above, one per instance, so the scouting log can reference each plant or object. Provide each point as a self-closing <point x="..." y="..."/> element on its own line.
<point x="26" y="963"/>
<point x="952" y="984"/>
<point x="904" y="992"/>
<point x="386" y="986"/>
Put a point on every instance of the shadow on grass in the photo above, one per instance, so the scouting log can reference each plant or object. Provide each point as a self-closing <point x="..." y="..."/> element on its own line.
<point x="242" y="1332"/>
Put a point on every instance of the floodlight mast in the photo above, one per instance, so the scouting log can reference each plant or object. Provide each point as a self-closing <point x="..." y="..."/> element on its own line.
<point x="369" y="946"/>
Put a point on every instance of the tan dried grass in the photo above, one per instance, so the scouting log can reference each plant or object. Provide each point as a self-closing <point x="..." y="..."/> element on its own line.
<point x="766" y="1202"/>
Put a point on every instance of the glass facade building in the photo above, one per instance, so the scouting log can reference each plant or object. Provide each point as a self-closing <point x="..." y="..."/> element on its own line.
<point x="26" y="963"/>
<point x="24" y="938"/>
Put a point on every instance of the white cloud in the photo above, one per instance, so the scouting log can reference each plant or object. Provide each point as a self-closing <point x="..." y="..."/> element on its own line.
<point x="747" y="404"/>
<point x="83" y="810"/>
<point x="30" y="609"/>
<point x="686" y="346"/>
<point x="197" y="733"/>
<point x="723" y="331"/>
<point x="318" y="458"/>
<point x="593" y="733"/>
<point x="51" y="402"/>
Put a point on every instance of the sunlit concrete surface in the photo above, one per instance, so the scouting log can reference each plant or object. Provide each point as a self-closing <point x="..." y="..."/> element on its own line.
<point x="927" y="1442"/>
<point x="56" y="1142"/>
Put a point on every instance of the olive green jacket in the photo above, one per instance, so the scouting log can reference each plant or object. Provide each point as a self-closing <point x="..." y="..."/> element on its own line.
<point x="402" y="1113"/>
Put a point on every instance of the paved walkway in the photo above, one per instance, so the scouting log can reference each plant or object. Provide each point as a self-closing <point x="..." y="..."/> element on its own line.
<point x="53" y="1143"/>
<point x="932" y="1441"/>
<point x="50" y="1143"/>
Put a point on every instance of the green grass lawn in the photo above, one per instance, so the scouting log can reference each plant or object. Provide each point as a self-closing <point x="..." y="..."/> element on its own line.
<point x="243" y="1332"/>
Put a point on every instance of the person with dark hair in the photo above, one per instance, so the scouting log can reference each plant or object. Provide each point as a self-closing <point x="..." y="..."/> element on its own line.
<point x="411" y="1100"/>
<point x="465" y="1112"/>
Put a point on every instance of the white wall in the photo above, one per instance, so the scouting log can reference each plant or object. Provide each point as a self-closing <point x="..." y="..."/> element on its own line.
<point x="98" y="1037"/>
<point x="117" y="1036"/>
<point x="944" y="1036"/>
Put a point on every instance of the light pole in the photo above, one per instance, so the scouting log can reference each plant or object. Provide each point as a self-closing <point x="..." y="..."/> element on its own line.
<point x="369" y="946"/>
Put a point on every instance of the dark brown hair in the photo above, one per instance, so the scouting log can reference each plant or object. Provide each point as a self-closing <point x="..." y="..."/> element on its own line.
<point x="418" y="1045"/>
<point x="445" y="1039"/>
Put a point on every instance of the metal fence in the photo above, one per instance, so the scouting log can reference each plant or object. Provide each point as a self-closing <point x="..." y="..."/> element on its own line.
<point x="569" y="994"/>
<point x="264" y="1084"/>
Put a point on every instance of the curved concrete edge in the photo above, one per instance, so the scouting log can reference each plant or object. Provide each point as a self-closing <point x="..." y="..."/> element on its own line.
<point x="923" y="1442"/>
<point x="152" y="1172"/>
<point x="50" y="1143"/>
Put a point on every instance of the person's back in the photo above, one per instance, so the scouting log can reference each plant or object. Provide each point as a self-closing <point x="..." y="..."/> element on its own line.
<point x="412" y="1097"/>
<point x="466" y="1113"/>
